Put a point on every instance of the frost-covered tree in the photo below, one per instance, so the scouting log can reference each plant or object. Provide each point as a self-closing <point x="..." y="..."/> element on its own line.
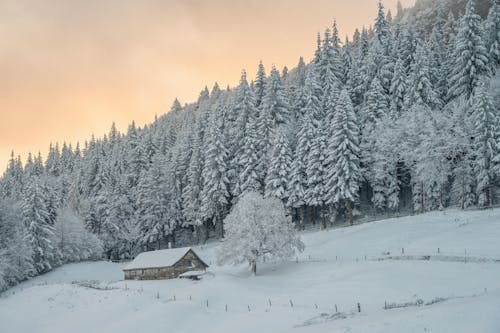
<point x="420" y="88"/>
<point x="492" y="34"/>
<point x="73" y="240"/>
<point x="330" y="70"/>
<point x="343" y="178"/>
<point x="470" y="55"/>
<point x="259" y="85"/>
<point x="192" y="191"/>
<point x="215" y="194"/>
<point x="258" y="229"/>
<point x="275" y="100"/>
<point x="249" y="158"/>
<point x="278" y="176"/>
<point x="382" y="27"/>
<point x="398" y="90"/>
<point x="40" y="227"/>
<point x="16" y="254"/>
<point x="376" y="104"/>
<point x="486" y="125"/>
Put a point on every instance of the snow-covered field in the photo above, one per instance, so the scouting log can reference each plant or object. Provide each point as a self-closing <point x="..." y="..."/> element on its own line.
<point x="456" y="290"/>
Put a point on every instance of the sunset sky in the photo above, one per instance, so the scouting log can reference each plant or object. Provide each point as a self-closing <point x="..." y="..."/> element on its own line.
<point x="70" y="68"/>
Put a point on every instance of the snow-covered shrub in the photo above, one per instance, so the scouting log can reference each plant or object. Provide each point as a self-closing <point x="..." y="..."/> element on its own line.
<point x="258" y="229"/>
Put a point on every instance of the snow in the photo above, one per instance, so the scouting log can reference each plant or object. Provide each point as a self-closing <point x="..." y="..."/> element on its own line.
<point x="192" y="273"/>
<point x="440" y="295"/>
<point x="160" y="258"/>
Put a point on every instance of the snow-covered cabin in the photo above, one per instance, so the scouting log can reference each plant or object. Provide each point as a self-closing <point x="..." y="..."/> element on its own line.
<point x="163" y="264"/>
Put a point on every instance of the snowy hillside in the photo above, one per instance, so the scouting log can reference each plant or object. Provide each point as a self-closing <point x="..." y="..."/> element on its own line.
<point x="455" y="290"/>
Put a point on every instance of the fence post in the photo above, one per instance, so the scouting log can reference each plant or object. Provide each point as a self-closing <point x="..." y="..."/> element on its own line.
<point x="359" y="307"/>
<point x="226" y="307"/>
<point x="438" y="250"/>
<point x="402" y="250"/>
<point x="207" y="303"/>
<point x="385" y="305"/>
<point x="336" y="310"/>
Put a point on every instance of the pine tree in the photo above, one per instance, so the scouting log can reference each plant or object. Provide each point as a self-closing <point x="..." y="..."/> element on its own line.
<point x="492" y="34"/>
<point x="192" y="190"/>
<point x="329" y="74"/>
<point x="259" y="85"/>
<point x="299" y="191"/>
<point x="241" y="108"/>
<point x="249" y="180"/>
<point x="343" y="178"/>
<point x="486" y="124"/>
<point x="382" y="27"/>
<point x="346" y="62"/>
<point x="275" y="100"/>
<point x="40" y="227"/>
<point x="398" y="90"/>
<point x="215" y="195"/>
<point x="376" y="104"/>
<point x="278" y="176"/>
<point x="420" y="88"/>
<point x="153" y="214"/>
<point x="469" y="54"/>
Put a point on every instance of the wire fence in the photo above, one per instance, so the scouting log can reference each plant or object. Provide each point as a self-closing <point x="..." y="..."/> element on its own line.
<point x="435" y="254"/>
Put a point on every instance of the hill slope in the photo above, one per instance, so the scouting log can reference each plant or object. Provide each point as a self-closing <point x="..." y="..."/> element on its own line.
<point x="451" y="292"/>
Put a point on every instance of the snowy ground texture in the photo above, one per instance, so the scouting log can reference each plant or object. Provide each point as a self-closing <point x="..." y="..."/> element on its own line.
<point x="421" y="290"/>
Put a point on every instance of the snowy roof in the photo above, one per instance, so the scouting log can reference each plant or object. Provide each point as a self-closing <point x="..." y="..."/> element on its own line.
<point x="160" y="258"/>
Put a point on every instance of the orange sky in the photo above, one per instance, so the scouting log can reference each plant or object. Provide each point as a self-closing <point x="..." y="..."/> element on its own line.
<point x="70" y="68"/>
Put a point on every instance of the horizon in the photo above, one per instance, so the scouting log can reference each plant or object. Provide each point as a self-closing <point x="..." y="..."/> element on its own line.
<point x="96" y="64"/>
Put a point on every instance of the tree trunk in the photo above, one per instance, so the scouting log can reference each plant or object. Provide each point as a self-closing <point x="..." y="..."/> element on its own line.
<point x="323" y="213"/>
<point x="348" y="206"/>
<point x="254" y="267"/>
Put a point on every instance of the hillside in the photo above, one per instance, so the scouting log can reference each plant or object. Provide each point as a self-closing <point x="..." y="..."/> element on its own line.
<point x="455" y="291"/>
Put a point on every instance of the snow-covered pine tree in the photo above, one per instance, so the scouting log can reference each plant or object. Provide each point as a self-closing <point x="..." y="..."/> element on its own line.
<point x="278" y="176"/>
<point x="382" y="27"/>
<point x="492" y="34"/>
<point x="398" y="90"/>
<point x="470" y="55"/>
<point x="346" y="61"/>
<point x="249" y="158"/>
<point x="343" y="177"/>
<point x="376" y="104"/>
<point x="330" y="70"/>
<point x="16" y="254"/>
<point x="215" y="194"/>
<point x="192" y="190"/>
<point x="275" y="100"/>
<point x="259" y="85"/>
<point x="305" y="136"/>
<point x="40" y="227"/>
<point x="420" y="88"/>
<point x="486" y="123"/>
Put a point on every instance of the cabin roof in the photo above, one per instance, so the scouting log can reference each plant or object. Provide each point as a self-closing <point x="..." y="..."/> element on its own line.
<point x="160" y="258"/>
